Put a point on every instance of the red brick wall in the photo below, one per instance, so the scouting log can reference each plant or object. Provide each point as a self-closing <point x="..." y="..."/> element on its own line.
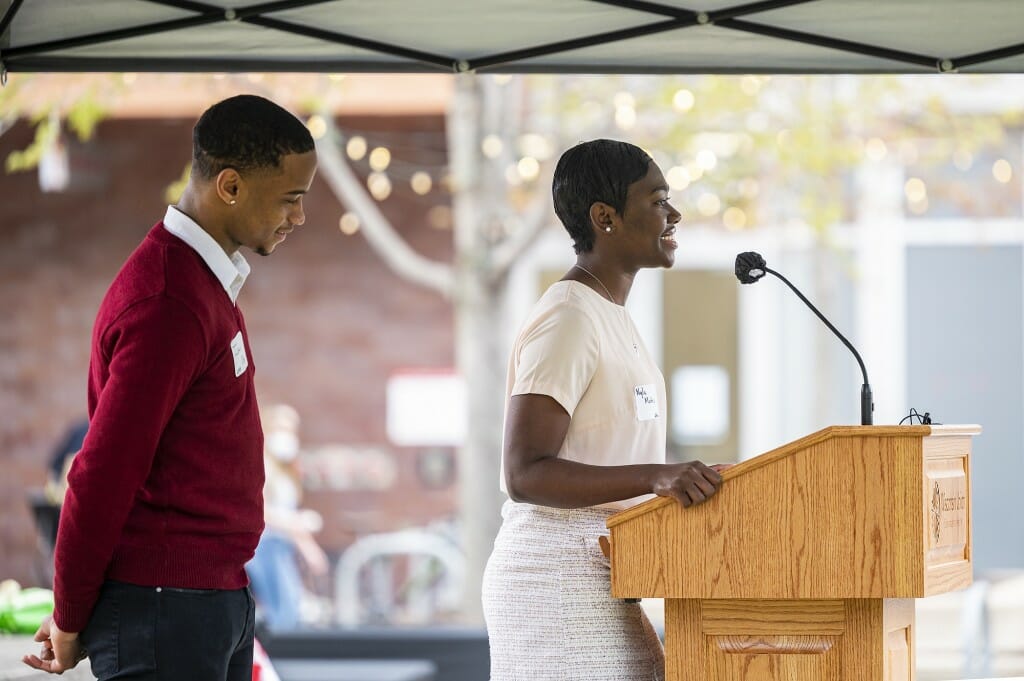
<point x="328" y="321"/>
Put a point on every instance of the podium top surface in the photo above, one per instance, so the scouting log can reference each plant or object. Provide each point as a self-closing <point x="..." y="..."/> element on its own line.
<point x="831" y="432"/>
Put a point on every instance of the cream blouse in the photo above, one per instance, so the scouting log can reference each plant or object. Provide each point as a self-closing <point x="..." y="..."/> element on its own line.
<point x="584" y="351"/>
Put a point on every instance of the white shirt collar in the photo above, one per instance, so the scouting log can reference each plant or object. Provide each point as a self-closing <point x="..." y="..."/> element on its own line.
<point x="230" y="272"/>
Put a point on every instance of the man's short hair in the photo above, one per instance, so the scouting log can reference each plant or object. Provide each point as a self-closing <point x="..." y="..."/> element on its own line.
<point x="599" y="170"/>
<point x="246" y="133"/>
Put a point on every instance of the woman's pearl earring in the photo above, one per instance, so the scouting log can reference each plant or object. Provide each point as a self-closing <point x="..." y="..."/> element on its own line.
<point x="607" y="229"/>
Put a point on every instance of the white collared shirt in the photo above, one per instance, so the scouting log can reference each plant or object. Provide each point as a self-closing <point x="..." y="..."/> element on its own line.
<point x="230" y="272"/>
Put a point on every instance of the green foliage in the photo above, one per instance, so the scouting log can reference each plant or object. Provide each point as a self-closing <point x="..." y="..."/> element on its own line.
<point x="314" y="101"/>
<point x="175" y="189"/>
<point x="739" y="150"/>
<point x="777" y="148"/>
<point x="82" y="117"/>
<point x="23" y="610"/>
<point x="28" y="158"/>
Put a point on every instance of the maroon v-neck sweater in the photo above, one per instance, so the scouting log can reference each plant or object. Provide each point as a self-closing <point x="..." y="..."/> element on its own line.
<point x="167" y="490"/>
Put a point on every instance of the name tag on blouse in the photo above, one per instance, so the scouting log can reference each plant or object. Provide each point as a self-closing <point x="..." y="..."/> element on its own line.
<point x="646" y="402"/>
<point x="238" y="352"/>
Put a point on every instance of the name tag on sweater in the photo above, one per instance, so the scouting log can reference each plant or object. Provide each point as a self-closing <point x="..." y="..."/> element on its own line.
<point x="238" y="352"/>
<point x="646" y="402"/>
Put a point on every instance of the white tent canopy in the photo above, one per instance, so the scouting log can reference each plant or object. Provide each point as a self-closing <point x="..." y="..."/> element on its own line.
<point x="523" y="36"/>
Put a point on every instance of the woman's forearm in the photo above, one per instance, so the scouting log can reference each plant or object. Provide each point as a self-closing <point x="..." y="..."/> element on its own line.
<point x="561" y="483"/>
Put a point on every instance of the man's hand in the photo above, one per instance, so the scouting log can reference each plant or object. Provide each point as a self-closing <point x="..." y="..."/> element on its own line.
<point x="688" y="483"/>
<point x="61" y="650"/>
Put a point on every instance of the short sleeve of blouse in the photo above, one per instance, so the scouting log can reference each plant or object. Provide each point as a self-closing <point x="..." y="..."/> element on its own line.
<point x="557" y="356"/>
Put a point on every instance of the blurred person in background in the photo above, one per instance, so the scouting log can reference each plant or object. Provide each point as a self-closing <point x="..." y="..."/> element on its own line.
<point x="585" y="435"/>
<point x="274" y="571"/>
<point x="61" y="458"/>
<point x="46" y="503"/>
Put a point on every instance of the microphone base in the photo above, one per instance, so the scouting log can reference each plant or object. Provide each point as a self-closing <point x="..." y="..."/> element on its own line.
<point x="867" y="406"/>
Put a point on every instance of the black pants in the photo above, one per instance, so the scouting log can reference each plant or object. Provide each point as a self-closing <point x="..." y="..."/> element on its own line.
<point x="164" y="634"/>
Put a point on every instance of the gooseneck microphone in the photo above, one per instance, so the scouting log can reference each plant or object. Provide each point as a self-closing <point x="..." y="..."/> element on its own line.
<point x="751" y="267"/>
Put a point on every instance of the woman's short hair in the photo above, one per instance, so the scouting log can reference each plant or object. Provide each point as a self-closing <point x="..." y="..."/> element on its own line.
<point x="599" y="170"/>
<point x="246" y="133"/>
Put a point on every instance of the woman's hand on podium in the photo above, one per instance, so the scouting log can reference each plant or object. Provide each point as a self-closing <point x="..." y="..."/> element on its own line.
<point x="688" y="483"/>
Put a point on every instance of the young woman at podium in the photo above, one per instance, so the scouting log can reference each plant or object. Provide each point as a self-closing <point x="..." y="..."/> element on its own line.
<point x="585" y="435"/>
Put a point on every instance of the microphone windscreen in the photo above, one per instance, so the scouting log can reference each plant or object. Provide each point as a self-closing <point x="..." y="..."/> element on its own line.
<point x="749" y="267"/>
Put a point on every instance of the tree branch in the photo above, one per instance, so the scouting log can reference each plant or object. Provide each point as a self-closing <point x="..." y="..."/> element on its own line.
<point x="508" y="251"/>
<point x="7" y="122"/>
<point x="382" y="237"/>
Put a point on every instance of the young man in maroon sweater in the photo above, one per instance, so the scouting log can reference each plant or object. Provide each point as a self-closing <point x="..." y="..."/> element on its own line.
<point x="164" y="503"/>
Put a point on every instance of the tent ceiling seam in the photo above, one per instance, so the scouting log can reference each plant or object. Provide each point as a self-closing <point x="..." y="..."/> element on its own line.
<point x="51" y="64"/>
<point x="578" y="43"/>
<point x="716" y="15"/>
<point x="188" y="5"/>
<point x="8" y="17"/>
<point x="208" y="14"/>
<point x="111" y="36"/>
<point x="678" y="18"/>
<point x="240" y="13"/>
<point x="353" y="41"/>
<point x="254" y="14"/>
<point x="650" y="8"/>
<point x="832" y="43"/>
<point x="988" y="55"/>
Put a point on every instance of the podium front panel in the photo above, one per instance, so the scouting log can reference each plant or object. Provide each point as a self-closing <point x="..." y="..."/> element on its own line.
<point x="947" y="513"/>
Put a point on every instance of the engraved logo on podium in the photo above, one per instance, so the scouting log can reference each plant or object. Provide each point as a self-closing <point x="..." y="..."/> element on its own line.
<point x="947" y="512"/>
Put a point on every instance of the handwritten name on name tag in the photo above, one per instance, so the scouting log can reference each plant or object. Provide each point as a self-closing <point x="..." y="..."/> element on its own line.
<point x="646" y="397"/>
<point x="238" y="352"/>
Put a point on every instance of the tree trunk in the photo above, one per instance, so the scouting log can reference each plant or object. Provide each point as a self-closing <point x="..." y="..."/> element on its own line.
<point x="476" y="282"/>
<point x="480" y="337"/>
<point x="481" y="359"/>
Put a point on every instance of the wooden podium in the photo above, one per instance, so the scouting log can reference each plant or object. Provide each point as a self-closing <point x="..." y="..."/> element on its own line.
<point x="805" y="564"/>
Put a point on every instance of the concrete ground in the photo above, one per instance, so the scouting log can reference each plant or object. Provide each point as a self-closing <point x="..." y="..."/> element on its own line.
<point x="11" y="667"/>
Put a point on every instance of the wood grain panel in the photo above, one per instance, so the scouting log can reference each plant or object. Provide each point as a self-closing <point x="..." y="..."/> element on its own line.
<point x="685" y="653"/>
<point x="774" y="645"/>
<point x="752" y="640"/>
<point x="787" y="449"/>
<point x="862" y="658"/>
<point x="946" y="513"/>
<point x="820" y="666"/>
<point x="804" y="566"/>
<point x="772" y="617"/>
<point x="838" y="514"/>
<point x="940" y="579"/>
<point x="898" y="625"/>
<point x="897" y="655"/>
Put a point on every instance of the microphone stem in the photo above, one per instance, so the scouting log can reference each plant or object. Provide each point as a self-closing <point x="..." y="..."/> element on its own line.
<point x="866" y="398"/>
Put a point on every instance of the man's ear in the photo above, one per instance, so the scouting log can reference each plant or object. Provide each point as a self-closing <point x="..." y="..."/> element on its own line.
<point x="602" y="216"/>
<point x="228" y="184"/>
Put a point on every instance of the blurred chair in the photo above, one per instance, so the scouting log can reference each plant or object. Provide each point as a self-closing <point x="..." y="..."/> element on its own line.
<point x="433" y="568"/>
<point x="977" y="632"/>
<point x="46" y="516"/>
<point x="1006" y="625"/>
<point x="356" y="670"/>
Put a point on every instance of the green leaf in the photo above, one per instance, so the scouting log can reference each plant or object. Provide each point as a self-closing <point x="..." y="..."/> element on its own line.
<point x="84" y="116"/>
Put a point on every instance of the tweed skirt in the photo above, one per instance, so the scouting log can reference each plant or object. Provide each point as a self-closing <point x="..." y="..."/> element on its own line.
<point x="547" y="602"/>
